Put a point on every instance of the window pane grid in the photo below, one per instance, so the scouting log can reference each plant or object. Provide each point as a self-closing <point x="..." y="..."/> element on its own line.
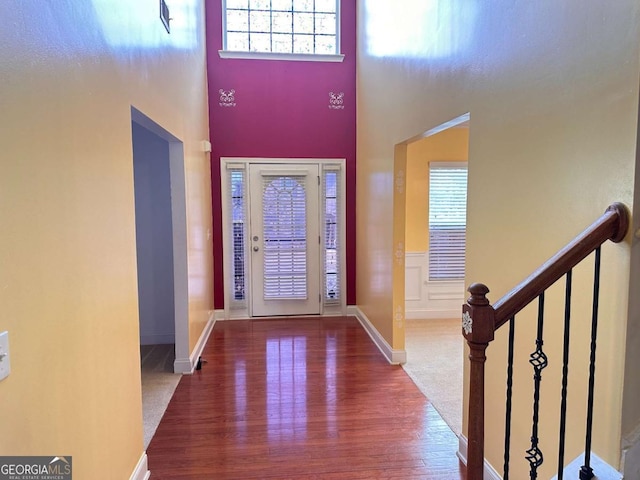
<point x="310" y="25"/>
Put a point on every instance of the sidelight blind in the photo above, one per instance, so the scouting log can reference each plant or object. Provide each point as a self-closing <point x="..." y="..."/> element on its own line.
<point x="447" y="220"/>
<point x="331" y="190"/>
<point x="237" y="182"/>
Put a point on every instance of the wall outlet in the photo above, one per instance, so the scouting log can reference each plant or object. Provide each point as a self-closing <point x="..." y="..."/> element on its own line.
<point x="5" y="364"/>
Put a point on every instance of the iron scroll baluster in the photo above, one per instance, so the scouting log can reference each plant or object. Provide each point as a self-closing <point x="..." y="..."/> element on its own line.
<point x="539" y="361"/>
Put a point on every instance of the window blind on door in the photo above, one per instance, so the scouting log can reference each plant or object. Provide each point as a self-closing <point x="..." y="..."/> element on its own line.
<point x="284" y="237"/>
<point x="447" y="220"/>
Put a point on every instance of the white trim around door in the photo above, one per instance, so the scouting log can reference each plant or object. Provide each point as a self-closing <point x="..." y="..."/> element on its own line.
<point x="241" y="190"/>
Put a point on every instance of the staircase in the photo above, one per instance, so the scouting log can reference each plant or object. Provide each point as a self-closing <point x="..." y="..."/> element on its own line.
<point x="480" y="320"/>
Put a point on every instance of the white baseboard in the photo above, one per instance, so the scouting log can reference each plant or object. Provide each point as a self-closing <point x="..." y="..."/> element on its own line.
<point x="182" y="365"/>
<point x="188" y="365"/>
<point x="232" y="314"/>
<point x="202" y="341"/>
<point x="241" y="314"/>
<point x="394" y="357"/>
<point x="234" y="317"/>
<point x="141" y="472"/>
<point x="489" y="473"/>
<point x="423" y="313"/>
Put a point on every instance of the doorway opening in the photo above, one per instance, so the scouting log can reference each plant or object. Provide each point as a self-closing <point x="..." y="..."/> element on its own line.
<point x="283" y="236"/>
<point x="435" y="168"/>
<point x="160" y="211"/>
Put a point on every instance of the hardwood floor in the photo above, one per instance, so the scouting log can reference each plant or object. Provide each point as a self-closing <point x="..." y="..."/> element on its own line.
<point x="300" y="398"/>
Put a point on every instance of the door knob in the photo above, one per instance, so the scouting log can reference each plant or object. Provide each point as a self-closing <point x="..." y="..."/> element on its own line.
<point x="255" y="238"/>
<point x="256" y="248"/>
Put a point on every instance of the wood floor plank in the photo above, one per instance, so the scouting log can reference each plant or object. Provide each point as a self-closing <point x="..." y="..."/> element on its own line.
<point x="300" y="398"/>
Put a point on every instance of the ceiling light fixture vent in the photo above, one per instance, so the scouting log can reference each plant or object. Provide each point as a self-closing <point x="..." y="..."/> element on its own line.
<point x="164" y="15"/>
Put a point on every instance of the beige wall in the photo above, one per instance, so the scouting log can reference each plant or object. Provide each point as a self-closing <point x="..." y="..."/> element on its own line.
<point x="553" y="99"/>
<point x="70" y="73"/>
<point x="451" y="145"/>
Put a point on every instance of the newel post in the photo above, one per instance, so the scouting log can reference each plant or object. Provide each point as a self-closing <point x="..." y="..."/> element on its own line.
<point x="478" y="326"/>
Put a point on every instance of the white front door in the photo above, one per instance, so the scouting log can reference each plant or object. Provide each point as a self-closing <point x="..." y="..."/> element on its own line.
<point x="284" y="239"/>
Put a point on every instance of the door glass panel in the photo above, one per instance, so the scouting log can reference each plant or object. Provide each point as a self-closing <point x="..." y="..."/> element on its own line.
<point x="284" y="237"/>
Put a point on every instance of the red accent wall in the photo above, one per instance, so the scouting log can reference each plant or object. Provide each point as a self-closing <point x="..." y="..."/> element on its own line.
<point x="280" y="109"/>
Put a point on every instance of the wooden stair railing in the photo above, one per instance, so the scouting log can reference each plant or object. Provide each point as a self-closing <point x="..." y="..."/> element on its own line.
<point x="480" y="320"/>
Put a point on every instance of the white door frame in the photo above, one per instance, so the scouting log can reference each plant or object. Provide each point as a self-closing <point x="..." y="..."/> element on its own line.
<point x="182" y="363"/>
<point x="244" y="311"/>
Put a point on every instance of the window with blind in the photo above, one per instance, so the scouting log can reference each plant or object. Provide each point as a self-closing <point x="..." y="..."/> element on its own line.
<point x="447" y="220"/>
<point x="237" y="181"/>
<point x="331" y="189"/>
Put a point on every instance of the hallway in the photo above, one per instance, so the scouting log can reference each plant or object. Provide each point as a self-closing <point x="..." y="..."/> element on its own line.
<point x="300" y="398"/>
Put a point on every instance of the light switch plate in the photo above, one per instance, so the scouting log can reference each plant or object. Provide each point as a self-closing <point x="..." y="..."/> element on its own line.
<point x="5" y="364"/>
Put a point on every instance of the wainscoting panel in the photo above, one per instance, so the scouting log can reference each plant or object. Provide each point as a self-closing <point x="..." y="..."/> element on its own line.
<point x="425" y="299"/>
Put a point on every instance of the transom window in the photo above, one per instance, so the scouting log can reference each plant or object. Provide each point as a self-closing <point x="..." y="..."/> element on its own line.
<point x="281" y="26"/>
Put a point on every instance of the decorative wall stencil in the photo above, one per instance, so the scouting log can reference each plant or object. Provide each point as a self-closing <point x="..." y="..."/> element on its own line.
<point x="227" y="98"/>
<point x="336" y="100"/>
<point x="467" y="323"/>
<point x="400" y="181"/>
<point x="398" y="317"/>
<point x="400" y="254"/>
